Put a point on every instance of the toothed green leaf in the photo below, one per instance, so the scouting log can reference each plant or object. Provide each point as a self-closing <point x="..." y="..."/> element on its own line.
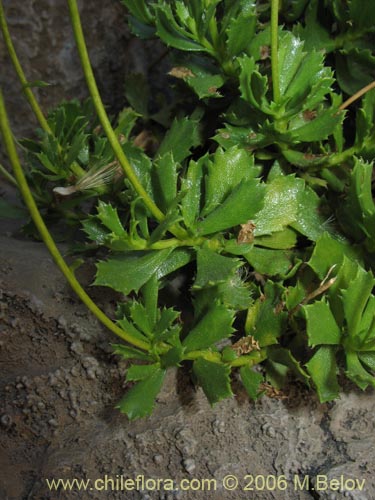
<point x="140" y="372"/>
<point x="321" y="325"/>
<point x="181" y="138"/>
<point x="251" y="380"/>
<point x="192" y="186"/>
<point x="281" y="205"/>
<point x="130" y="270"/>
<point x="128" y="352"/>
<point x="327" y="253"/>
<point x="172" y="33"/>
<point x="270" y="262"/>
<point x="241" y="205"/>
<point x="356" y="372"/>
<point x="322" y="368"/>
<point x="214" y="379"/>
<point x="140" y="399"/>
<point x="213" y="268"/>
<point x="355" y="298"/>
<point x="226" y="171"/>
<point x="318" y="128"/>
<point x="241" y="29"/>
<point x="110" y="219"/>
<point x="215" y="325"/>
<point x="164" y="180"/>
<point x="265" y="322"/>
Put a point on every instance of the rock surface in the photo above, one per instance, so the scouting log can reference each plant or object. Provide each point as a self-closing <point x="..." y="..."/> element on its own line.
<point x="45" y="45"/>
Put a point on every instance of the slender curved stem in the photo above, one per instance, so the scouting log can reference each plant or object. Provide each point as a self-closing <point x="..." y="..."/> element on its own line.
<point x="47" y="238"/>
<point x="75" y="168"/>
<point x="274" y="49"/>
<point x="103" y="117"/>
<point x="21" y="75"/>
<point x="357" y="95"/>
<point x="4" y="172"/>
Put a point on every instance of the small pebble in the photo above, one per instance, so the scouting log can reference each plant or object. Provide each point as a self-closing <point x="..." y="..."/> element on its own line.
<point x="14" y="322"/>
<point x="189" y="465"/>
<point x="218" y="426"/>
<point x="52" y="380"/>
<point x="91" y="374"/>
<point x="26" y="382"/>
<point x="158" y="459"/>
<point x="6" y="420"/>
<point x="76" y="347"/>
<point x="63" y="394"/>
<point x="269" y="430"/>
<point x="75" y="371"/>
<point x="62" y="321"/>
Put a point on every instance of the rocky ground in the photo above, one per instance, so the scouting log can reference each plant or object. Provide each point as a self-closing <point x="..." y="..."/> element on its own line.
<point x="60" y="383"/>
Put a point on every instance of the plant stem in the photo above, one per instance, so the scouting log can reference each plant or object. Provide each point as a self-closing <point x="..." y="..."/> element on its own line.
<point x="206" y="354"/>
<point x="47" y="238"/>
<point x="338" y="158"/>
<point x="254" y="358"/>
<point x="4" y="172"/>
<point x="75" y="168"/>
<point x="274" y="49"/>
<point x="357" y="95"/>
<point x="175" y="242"/>
<point x="103" y="117"/>
<point x="21" y="75"/>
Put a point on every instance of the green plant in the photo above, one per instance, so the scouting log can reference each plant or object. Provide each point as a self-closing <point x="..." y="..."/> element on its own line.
<point x="256" y="197"/>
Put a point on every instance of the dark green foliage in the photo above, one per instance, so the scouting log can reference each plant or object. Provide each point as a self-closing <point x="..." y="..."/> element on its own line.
<point x="268" y="234"/>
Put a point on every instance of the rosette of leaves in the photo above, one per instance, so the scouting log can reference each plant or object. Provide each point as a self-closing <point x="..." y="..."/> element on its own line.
<point x="75" y="162"/>
<point x="305" y="115"/>
<point x="340" y="327"/>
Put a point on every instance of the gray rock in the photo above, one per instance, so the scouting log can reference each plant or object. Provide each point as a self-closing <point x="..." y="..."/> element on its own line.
<point x="45" y="45"/>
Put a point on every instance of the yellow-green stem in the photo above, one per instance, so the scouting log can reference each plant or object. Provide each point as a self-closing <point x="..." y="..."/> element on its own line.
<point x="206" y="354"/>
<point x="103" y="117"/>
<point x="46" y="237"/>
<point x="4" y="172"/>
<point x="274" y="49"/>
<point x="254" y="358"/>
<point x="21" y="75"/>
<point x="75" y="168"/>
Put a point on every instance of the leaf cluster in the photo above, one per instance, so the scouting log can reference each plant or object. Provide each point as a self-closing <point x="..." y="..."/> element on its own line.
<point x="265" y="246"/>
